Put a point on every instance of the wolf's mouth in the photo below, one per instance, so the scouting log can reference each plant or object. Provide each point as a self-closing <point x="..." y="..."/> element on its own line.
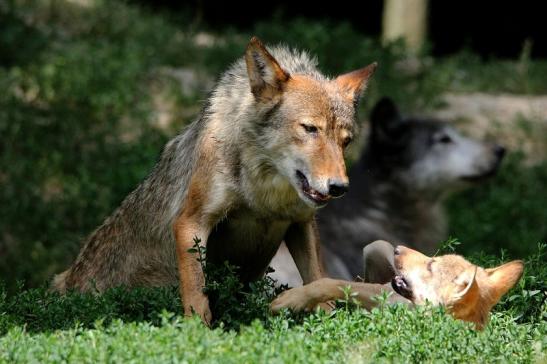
<point x="401" y="286"/>
<point x="480" y="177"/>
<point x="314" y="195"/>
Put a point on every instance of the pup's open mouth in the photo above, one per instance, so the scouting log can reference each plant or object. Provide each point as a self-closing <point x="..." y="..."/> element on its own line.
<point x="314" y="195"/>
<point x="401" y="286"/>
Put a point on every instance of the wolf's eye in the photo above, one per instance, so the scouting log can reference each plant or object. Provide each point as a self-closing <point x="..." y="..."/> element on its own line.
<point x="346" y="141"/>
<point x="444" y="139"/>
<point x="312" y="129"/>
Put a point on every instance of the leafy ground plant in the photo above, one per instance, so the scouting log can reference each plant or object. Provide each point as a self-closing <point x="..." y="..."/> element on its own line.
<point x="134" y="325"/>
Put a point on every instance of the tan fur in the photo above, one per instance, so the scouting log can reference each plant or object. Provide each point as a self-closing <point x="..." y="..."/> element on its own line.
<point x="438" y="280"/>
<point x="233" y="179"/>
<point x="193" y="223"/>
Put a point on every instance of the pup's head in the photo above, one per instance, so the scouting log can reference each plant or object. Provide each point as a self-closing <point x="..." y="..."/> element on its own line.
<point x="469" y="292"/>
<point x="428" y="155"/>
<point x="305" y="119"/>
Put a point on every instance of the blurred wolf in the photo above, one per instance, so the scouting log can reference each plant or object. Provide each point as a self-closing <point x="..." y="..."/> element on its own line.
<point x="265" y="154"/>
<point x="408" y="168"/>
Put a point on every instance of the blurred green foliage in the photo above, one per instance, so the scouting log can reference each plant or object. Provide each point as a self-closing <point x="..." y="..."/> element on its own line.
<point x="506" y="213"/>
<point x="79" y="120"/>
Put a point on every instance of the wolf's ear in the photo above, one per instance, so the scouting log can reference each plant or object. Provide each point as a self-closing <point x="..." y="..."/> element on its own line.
<point x="265" y="74"/>
<point x="385" y="113"/>
<point x="503" y="278"/>
<point x="354" y="83"/>
<point x="385" y="119"/>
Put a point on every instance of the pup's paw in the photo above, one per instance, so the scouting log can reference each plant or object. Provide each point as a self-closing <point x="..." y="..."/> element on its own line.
<point x="295" y="299"/>
<point x="199" y="304"/>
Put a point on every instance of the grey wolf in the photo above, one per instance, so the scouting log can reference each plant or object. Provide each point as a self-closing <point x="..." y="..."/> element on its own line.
<point x="408" y="167"/>
<point x="250" y="172"/>
<point x="467" y="291"/>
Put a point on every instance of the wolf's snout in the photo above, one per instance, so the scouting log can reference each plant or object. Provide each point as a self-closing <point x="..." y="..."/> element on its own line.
<point x="499" y="151"/>
<point x="338" y="188"/>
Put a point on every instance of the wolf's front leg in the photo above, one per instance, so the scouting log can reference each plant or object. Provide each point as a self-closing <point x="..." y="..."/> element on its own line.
<point x="303" y="244"/>
<point x="191" y="225"/>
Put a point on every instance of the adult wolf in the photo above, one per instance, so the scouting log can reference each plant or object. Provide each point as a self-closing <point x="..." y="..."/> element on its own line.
<point x="266" y="152"/>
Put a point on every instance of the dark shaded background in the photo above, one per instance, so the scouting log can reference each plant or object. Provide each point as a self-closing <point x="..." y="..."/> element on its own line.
<point x="92" y="90"/>
<point x="488" y="28"/>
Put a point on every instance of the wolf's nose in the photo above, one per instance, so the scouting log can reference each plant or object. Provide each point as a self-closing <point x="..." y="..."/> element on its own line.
<point x="499" y="151"/>
<point x="337" y="189"/>
<point x="397" y="250"/>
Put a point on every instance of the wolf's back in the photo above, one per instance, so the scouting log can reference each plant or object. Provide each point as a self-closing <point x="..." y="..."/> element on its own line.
<point x="137" y="240"/>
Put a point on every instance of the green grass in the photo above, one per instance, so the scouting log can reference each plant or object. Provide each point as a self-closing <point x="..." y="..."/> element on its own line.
<point x="132" y="326"/>
<point x="78" y="130"/>
<point x="120" y="325"/>
<point x="394" y="333"/>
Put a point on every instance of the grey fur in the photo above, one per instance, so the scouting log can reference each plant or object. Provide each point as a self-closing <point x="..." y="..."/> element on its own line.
<point x="253" y="184"/>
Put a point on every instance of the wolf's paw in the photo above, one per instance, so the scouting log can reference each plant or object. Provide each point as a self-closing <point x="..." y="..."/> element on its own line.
<point x="295" y="299"/>
<point x="199" y="304"/>
<point x="327" y="306"/>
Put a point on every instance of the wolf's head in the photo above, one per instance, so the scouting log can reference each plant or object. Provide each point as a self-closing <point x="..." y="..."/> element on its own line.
<point x="427" y="155"/>
<point x="305" y="120"/>
<point x="469" y="292"/>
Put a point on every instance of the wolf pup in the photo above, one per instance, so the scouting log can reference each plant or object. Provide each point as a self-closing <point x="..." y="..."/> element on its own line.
<point x="265" y="153"/>
<point x="408" y="168"/>
<point x="467" y="291"/>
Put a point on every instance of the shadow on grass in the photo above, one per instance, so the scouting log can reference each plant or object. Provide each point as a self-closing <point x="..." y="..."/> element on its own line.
<point x="40" y="310"/>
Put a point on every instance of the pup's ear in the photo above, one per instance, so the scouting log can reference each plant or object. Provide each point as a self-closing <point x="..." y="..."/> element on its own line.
<point x="503" y="278"/>
<point x="354" y="83"/>
<point x="266" y="76"/>
<point x="469" y="281"/>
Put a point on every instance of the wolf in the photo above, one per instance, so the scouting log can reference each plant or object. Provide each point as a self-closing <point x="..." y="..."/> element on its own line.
<point x="408" y="167"/>
<point x="251" y="171"/>
<point x="466" y="290"/>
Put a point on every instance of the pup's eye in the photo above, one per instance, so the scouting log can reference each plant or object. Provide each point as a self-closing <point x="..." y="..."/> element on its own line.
<point x="429" y="263"/>
<point x="312" y="129"/>
<point x="346" y="141"/>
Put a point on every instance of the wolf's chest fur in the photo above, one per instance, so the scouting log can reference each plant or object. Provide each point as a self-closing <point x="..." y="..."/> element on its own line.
<point x="247" y="240"/>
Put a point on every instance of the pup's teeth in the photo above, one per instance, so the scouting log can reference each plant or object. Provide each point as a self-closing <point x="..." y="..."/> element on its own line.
<point x="400" y="282"/>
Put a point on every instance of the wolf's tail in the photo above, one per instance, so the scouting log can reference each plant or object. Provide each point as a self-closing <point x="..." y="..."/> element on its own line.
<point x="59" y="282"/>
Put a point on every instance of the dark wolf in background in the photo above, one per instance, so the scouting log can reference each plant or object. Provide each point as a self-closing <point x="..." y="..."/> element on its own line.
<point x="266" y="152"/>
<point x="408" y="168"/>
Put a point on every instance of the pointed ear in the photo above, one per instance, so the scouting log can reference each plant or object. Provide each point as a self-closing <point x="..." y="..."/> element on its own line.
<point x="385" y="119"/>
<point x="503" y="278"/>
<point x="469" y="281"/>
<point x="385" y="113"/>
<point x="354" y="83"/>
<point x="266" y="76"/>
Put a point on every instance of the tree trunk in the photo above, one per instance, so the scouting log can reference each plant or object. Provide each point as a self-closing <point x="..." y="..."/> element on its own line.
<point x="406" y="19"/>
